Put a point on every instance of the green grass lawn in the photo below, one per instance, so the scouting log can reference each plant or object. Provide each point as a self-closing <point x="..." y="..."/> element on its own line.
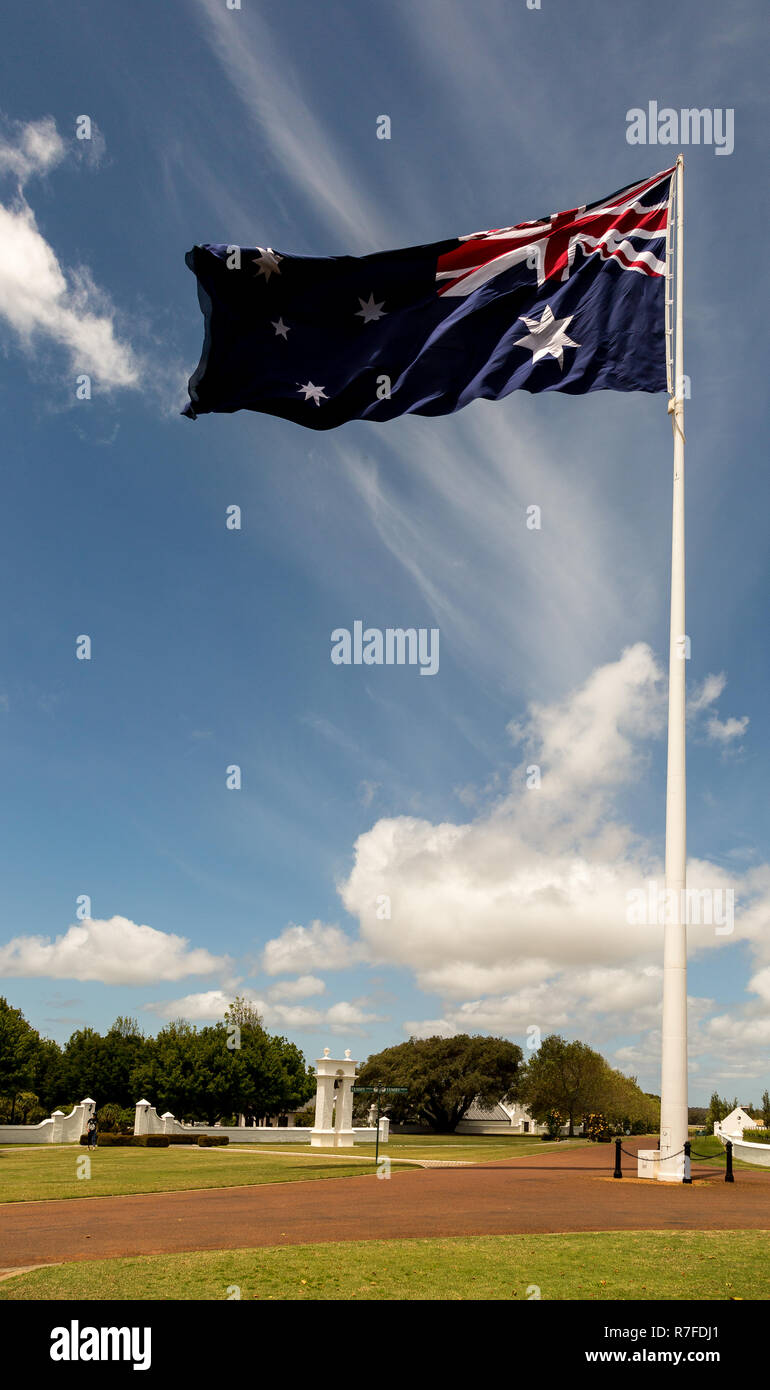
<point x="47" y="1172"/>
<point x="710" y="1145"/>
<point x="51" y="1171"/>
<point x="628" y="1265"/>
<point x="468" y="1148"/>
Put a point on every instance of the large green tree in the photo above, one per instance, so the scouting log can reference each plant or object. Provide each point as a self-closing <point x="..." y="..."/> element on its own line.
<point x="175" y="1072"/>
<point x="443" y="1077"/>
<point x="269" y="1074"/>
<point x="223" y="1069"/>
<point x="19" y="1046"/>
<point x="565" y="1076"/>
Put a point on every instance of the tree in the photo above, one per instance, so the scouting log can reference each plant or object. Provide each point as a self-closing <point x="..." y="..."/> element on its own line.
<point x="122" y="1050"/>
<point x="565" y="1076"/>
<point x="718" y="1109"/>
<point x="269" y="1074"/>
<point x="83" y="1066"/>
<point x="222" y="1069"/>
<point x="19" y="1044"/>
<point x="443" y="1077"/>
<point x="765" y="1107"/>
<point x="168" y="1071"/>
<point x="626" y="1107"/>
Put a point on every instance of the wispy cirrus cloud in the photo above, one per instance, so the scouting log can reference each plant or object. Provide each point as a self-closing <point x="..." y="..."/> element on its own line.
<point x="262" y="75"/>
<point x="39" y="299"/>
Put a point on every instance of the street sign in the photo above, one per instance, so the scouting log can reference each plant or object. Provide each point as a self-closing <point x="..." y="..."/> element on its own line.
<point x="380" y="1090"/>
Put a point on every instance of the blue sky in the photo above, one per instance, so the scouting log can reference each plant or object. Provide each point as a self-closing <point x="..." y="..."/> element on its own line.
<point x="211" y="647"/>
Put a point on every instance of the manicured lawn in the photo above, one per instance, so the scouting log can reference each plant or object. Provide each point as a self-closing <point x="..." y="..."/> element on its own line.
<point x="710" y="1145"/>
<point x="52" y="1171"/>
<point x="48" y="1172"/>
<point x="468" y="1148"/>
<point x="626" y="1266"/>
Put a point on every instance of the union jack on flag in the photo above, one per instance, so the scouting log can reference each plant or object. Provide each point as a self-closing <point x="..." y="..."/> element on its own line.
<point x="574" y="302"/>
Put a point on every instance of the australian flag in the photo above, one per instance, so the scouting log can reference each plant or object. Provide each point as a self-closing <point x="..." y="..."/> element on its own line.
<point x="573" y="302"/>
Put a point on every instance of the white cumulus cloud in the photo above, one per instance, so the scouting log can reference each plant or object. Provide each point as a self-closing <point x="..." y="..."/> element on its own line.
<point x="299" y="950"/>
<point x="114" y="952"/>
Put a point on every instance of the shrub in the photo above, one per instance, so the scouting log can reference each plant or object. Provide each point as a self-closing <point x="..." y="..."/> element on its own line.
<point x="757" y="1136"/>
<point x="127" y="1141"/>
<point x="595" y="1126"/>
<point x="108" y="1119"/>
<point x="182" y="1138"/>
<point x="210" y="1141"/>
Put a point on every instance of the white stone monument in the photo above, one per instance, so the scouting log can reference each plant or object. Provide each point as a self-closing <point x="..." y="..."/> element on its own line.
<point x="335" y="1078"/>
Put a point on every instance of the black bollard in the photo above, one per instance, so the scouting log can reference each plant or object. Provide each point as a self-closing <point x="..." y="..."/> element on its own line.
<point x="687" y="1165"/>
<point x="618" y="1170"/>
<point x="729" y="1169"/>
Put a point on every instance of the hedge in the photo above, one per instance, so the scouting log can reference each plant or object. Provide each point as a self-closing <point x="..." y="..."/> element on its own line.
<point x="157" y="1141"/>
<point x="127" y="1141"/>
<point x="757" y="1136"/>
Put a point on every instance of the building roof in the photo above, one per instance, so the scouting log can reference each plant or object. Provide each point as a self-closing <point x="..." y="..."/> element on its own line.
<point x="494" y="1112"/>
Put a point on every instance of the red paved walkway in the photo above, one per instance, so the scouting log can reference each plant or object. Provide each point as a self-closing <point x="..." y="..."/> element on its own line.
<point x="568" y="1191"/>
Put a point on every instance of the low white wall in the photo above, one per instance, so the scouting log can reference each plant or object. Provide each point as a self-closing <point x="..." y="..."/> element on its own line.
<point x="27" y="1134"/>
<point x="58" y="1129"/>
<point x="148" y="1121"/>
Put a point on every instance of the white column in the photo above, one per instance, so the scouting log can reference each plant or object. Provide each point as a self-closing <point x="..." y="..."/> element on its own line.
<point x="673" y="1107"/>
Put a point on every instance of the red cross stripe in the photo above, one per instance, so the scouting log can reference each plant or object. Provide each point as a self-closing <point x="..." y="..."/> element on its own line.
<point x="617" y="228"/>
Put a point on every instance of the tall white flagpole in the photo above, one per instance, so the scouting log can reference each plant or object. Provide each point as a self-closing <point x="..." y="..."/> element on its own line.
<point x="673" y="1091"/>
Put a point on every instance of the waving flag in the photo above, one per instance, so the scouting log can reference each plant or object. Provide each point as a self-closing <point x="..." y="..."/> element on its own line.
<point x="573" y="302"/>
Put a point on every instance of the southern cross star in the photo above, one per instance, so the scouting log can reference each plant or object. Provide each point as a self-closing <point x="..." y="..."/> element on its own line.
<point x="313" y="392"/>
<point x="369" y="311"/>
<point x="267" y="260"/>
<point x="282" y="329"/>
<point x="548" y="337"/>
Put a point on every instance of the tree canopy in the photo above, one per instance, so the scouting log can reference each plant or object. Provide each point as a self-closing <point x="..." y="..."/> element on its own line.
<point x="211" y="1073"/>
<point x="576" y="1081"/>
<point x="443" y="1077"/>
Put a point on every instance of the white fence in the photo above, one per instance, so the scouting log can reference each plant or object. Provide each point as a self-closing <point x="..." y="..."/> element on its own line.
<point x="148" y="1121"/>
<point x="58" y="1129"/>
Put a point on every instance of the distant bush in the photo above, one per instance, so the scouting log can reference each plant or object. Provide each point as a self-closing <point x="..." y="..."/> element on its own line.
<point x="211" y="1141"/>
<point x="115" y="1119"/>
<point x="757" y="1136"/>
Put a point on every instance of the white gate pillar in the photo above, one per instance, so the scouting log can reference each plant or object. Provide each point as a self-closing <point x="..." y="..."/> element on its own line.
<point x="334" y="1130"/>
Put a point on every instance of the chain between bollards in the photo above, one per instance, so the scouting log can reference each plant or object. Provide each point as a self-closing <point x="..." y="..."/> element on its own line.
<point x="687" y="1166"/>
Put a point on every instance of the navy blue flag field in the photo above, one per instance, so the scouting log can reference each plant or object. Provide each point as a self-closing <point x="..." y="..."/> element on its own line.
<point x="573" y="302"/>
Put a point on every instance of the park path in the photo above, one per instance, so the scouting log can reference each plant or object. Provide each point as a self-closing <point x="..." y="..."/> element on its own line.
<point x="558" y="1192"/>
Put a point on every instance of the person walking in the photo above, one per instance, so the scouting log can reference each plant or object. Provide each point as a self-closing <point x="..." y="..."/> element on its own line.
<point x="92" y="1130"/>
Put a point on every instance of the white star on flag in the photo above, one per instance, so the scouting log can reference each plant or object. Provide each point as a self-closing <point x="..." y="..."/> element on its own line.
<point x="548" y="337"/>
<point x="313" y="392"/>
<point x="267" y="260"/>
<point x="282" y="330"/>
<point x="369" y="311"/>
